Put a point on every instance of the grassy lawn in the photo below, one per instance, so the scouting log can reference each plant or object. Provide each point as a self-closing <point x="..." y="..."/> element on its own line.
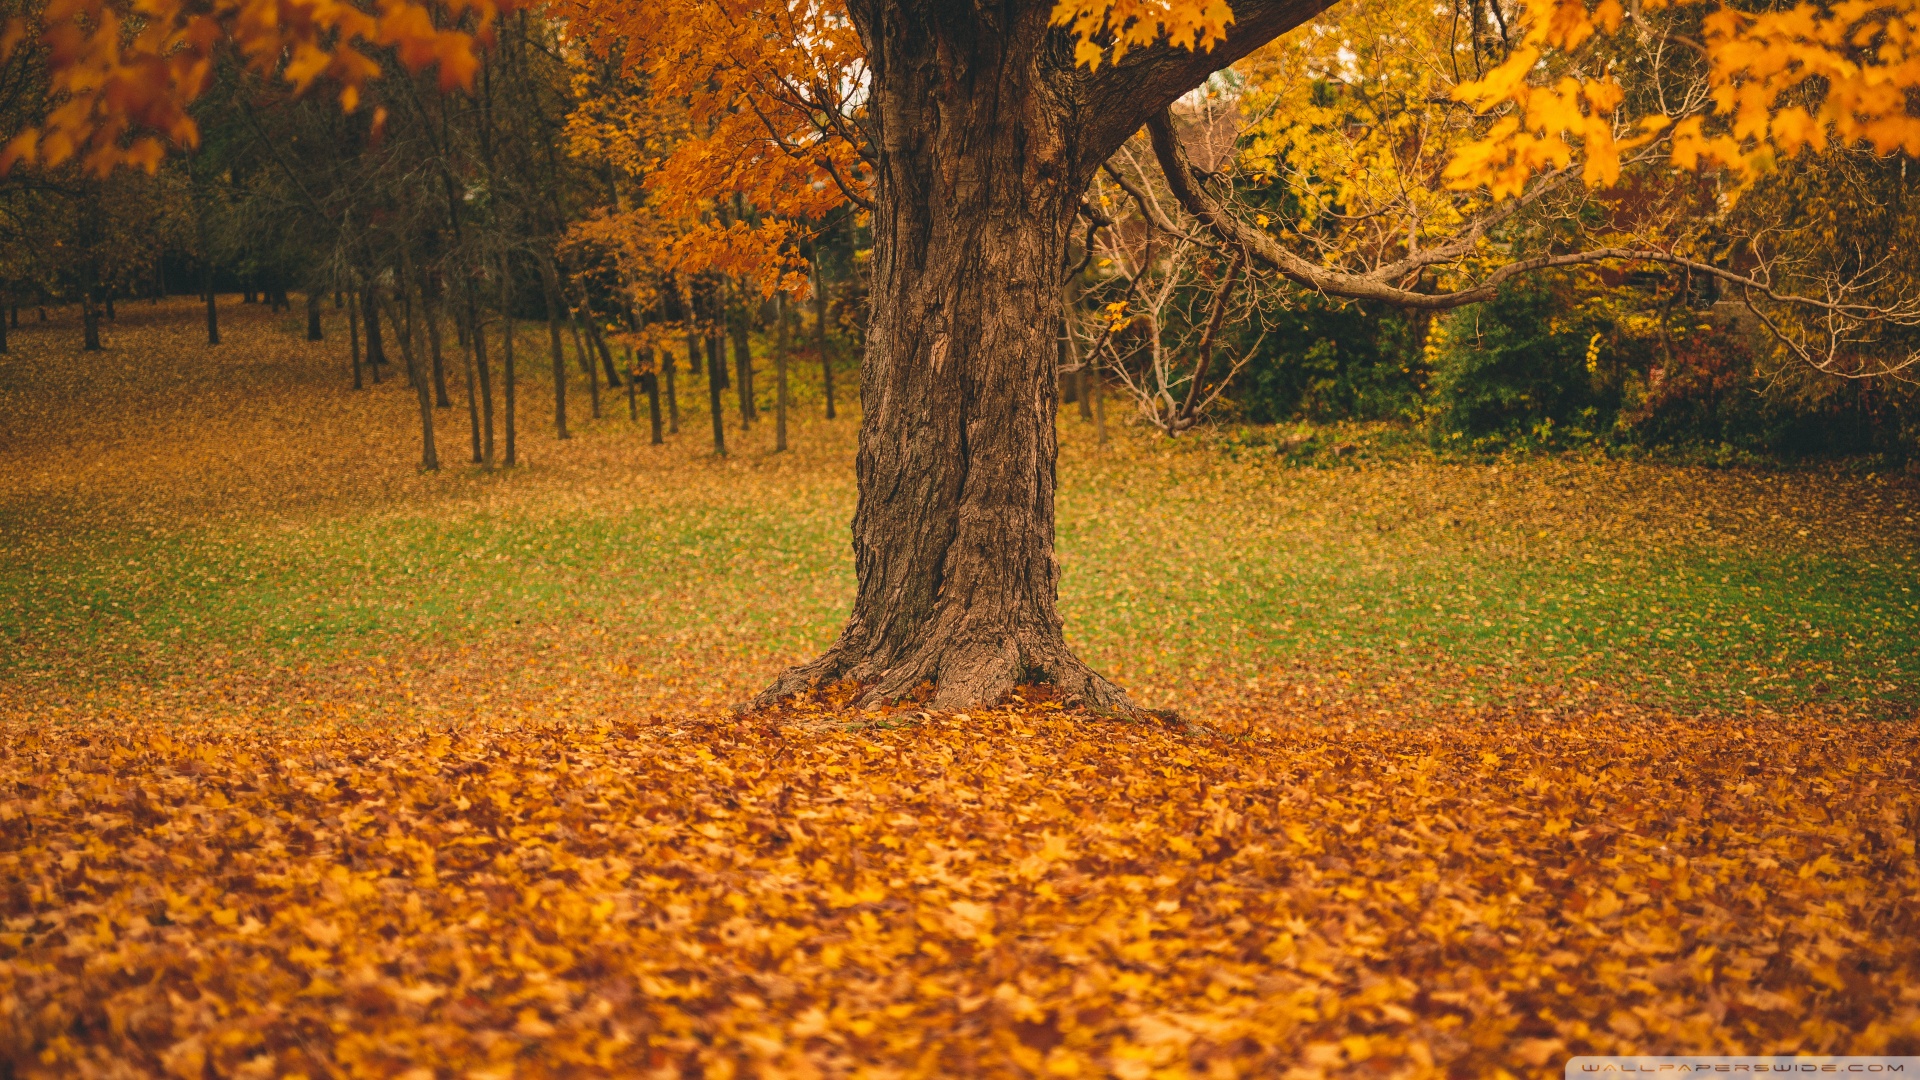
<point x="206" y="512"/>
<point x="313" y="764"/>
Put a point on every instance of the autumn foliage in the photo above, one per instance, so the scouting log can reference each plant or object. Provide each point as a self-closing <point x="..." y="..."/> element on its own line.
<point x="1015" y="893"/>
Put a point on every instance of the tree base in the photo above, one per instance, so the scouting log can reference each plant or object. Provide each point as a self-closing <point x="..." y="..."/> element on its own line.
<point x="963" y="675"/>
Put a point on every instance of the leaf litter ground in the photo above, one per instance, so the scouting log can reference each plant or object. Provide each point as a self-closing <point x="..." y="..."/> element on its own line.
<point x="315" y="765"/>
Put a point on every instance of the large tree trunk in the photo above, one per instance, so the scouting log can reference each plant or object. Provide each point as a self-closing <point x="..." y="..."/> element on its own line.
<point x="953" y="538"/>
<point x="986" y="134"/>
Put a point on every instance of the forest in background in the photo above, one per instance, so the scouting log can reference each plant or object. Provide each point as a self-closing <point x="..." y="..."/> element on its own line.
<point x="551" y="191"/>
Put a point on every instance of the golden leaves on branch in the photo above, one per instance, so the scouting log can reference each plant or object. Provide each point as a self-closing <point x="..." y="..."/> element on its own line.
<point x="1016" y="892"/>
<point x="123" y="76"/>
<point x="1776" y="83"/>
<point x="738" y="119"/>
<point x="1106" y="30"/>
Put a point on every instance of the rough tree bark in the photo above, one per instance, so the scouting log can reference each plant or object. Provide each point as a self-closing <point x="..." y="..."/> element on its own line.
<point x="985" y="134"/>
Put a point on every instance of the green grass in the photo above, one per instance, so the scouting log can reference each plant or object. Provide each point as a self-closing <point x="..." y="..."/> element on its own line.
<point x="1168" y="571"/>
<point x="1180" y="561"/>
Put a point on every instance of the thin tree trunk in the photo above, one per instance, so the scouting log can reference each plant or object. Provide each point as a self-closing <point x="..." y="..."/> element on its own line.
<point x="651" y="382"/>
<point x="213" y="324"/>
<point x="599" y="342"/>
<point x="1082" y="381"/>
<point x="633" y="391"/>
<point x="353" y="336"/>
<point x="313" y="317"/>
<point x="1069" y="375"/>
<point x="717" y="345"/>
<point x="606" y="359"/>
<point x="556" y="349"/>
<point x="3" y="334"/>
<point x="376" y="353"/>
<point x="820" y="336"/>
<point x="669" y="363"/>
<point x="111" y="317"/>
<point x="716" y="370"/>
<point x="429" y="457"/>
<point x="743" y="365"/>
<point x="89" y="321"/>
<point x="780" y="376"/>
<point x="506" y="355"/>
<point x="1094" y="390"/>
<point x="477" y="344"/>
<point x="585" y="361"/>
<point x="430" y="320"/>
<point x="430" y="315"/>
<point x="465" y="333"/>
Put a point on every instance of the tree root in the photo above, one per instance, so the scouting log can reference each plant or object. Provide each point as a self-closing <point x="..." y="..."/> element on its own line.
<point x="964" y="675"/>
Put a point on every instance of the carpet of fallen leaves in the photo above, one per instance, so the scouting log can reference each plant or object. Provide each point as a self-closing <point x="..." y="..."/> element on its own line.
<point x="531" y="841"/>
<point x="1017" y="892"/>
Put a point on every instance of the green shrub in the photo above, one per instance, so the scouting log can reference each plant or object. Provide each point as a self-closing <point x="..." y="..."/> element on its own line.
<point x="1517" y="369"/>
<point x="1324" y="360"/>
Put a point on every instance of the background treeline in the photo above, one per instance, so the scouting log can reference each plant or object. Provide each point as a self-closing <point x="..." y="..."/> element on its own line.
<point x="432" y="216"/>
<point x="429" y="217"/>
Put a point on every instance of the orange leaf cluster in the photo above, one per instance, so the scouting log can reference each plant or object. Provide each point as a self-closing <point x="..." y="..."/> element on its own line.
<point x="1014" y="893"/>
<point x="1108" y="29"/>
<point x="761" y="100"/>
<point x="123" y="76"/>
<point x="1780" y="81"/>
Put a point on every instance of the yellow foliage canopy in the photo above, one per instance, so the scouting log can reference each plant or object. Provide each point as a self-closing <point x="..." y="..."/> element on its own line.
<point x="1779" y="82"/>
